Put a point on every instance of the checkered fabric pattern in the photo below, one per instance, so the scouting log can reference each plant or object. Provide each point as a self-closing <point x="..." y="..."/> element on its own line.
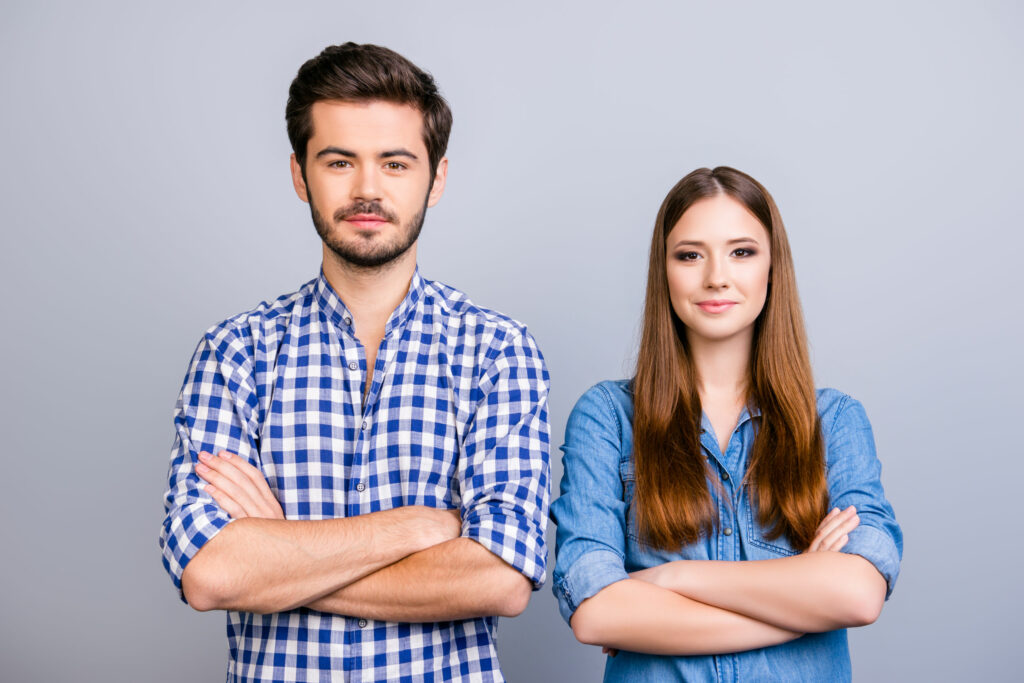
<point x="456" y="417"/>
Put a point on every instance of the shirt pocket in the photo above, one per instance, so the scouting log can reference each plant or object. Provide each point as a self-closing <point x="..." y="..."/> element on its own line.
<point x="762" y="548"/>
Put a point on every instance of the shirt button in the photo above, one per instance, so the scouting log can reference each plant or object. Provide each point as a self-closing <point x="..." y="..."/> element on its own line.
<point x="360" y="487"/>
<point x="728" y="531"/>
<point x="348" y="320"/>
<point x="362" y="623"/>
<point x="725" y="476"/>
<point x="366" y="423"/>
<point x="353" y="365"/>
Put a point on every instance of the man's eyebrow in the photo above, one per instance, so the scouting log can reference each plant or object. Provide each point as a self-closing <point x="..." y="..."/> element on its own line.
<point x="400" y="152"/>
<point x="387" y="154"/>
<point x="335" y="150"/>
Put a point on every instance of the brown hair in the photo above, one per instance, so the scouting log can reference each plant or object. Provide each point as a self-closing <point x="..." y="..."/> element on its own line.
<point x="786" y="472"/>
<point x="360" y="73"/>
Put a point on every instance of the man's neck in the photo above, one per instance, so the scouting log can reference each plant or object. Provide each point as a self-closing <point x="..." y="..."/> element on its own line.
<point x="370" y="294"/>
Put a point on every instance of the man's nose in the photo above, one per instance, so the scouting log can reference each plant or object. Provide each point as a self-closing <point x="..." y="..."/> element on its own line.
<point x="367" y="185"/>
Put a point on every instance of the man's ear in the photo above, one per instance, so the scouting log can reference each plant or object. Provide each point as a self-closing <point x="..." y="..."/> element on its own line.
<point x="437" y="189"/>
<point x="298" y="181"/>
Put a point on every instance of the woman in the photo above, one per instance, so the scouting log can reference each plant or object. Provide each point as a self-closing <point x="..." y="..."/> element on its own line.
<point x="719" y="519"/>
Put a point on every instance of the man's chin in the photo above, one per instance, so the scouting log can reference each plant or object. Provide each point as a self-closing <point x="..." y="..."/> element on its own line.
<point x="367" y="258"/>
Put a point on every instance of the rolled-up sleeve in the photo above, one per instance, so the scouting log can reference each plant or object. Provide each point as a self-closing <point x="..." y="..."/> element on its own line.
<point x="854" y="478"/>
<point x="590" y="512"/>
<point x="504" y="472"/>
<point x="215" y="411"/>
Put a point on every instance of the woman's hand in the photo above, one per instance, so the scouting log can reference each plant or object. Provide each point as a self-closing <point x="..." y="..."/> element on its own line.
<point x="833" y="532"/>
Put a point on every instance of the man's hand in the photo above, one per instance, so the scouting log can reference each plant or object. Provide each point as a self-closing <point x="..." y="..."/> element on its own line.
<point x="238" y="487"/>
<point x="833" y="532"/>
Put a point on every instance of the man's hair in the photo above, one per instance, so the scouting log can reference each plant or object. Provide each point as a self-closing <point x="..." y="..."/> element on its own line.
<point x="365" y="73"/>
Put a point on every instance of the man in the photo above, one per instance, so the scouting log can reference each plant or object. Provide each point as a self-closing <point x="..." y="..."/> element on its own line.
<point x="360" y="473"/>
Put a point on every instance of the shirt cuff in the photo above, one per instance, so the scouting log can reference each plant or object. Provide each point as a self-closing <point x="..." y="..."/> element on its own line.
<point x="586" y="577"/>
<point x="186" y="535"/>
<point x="878" y="548"/>
<point x="514" y="539"/>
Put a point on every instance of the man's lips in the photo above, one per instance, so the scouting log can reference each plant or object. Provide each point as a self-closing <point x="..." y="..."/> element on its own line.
<point x="716" y="305"/>
<point x="366" y="220"/>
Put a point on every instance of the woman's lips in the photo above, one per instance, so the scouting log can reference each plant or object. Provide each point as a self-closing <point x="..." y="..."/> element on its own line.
<point x="716" y="305"/>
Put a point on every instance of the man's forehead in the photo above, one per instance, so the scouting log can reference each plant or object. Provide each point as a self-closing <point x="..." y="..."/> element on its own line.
<point x="366" y="125"/>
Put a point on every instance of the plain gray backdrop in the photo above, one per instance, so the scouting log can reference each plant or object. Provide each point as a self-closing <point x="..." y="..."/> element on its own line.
<point x="146" y="196"/>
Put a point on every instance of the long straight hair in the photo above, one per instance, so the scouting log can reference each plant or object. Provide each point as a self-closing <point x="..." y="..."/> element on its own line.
<point x="786" y="472"/>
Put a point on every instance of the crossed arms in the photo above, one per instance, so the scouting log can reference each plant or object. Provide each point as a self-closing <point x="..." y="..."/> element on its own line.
<point x="707" y="607"/>
<point x="404" y="564"/>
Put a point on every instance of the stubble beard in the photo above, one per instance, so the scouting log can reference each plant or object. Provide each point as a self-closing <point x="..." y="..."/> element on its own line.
<point x="367" y="252"/>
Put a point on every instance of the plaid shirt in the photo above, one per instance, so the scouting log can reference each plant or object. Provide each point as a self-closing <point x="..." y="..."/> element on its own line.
<point x="456" y="417"/>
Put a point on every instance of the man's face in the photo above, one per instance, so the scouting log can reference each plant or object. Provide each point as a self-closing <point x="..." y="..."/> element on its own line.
<point x="368" y="179"/>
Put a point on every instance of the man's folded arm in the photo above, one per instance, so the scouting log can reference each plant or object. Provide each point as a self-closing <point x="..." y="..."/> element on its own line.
<point x="458" y="579"/>
<point x="274" y="565"/>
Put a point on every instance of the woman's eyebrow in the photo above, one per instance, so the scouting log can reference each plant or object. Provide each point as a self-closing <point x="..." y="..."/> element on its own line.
<point x="698" y="243"/>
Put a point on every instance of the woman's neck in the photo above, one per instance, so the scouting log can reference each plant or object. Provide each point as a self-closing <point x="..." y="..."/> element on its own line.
<point x="722" y="366"/>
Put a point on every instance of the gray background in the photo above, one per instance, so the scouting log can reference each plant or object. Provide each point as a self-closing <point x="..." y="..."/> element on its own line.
<point x="146" y="196"/>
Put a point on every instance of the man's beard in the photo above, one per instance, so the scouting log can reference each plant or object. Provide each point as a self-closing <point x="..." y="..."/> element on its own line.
<point x="362" y="252"/>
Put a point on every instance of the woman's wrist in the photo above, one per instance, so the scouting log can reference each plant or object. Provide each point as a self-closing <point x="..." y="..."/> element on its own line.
<point x="670" y="575"/>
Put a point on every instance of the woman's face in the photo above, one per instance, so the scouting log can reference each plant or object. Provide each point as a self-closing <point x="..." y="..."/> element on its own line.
<point x="718" y="263"/>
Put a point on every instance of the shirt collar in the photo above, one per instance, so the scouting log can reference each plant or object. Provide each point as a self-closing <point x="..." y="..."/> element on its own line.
<point x="745" y="416"/>
<point x="332" y="305"/>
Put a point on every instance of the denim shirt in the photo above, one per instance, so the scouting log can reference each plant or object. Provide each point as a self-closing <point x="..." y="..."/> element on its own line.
<point x="597" y="542"/>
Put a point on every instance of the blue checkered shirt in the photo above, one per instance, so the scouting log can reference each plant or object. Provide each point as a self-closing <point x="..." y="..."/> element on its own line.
<point x="456" y="417"/>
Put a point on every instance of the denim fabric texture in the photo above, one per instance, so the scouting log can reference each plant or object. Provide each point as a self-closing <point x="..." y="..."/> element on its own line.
<point x="597" y="542"/>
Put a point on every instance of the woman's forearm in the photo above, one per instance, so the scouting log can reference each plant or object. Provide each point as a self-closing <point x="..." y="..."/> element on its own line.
<point x="811" y="592"/>
<point x="641" y="617"/>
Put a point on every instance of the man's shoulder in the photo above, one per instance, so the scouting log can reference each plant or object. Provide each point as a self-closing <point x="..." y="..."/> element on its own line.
<point x="461" y="313"/>
<point x="265" y="320"/>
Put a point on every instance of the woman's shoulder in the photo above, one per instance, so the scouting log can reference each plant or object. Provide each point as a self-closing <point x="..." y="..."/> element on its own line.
<point x="609" y="402"/>
<point x="617" y="394"/>
<point x="835" y="407"/>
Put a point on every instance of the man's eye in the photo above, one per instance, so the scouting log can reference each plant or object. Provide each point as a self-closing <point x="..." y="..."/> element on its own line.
<point x="340" y="163"/>
<point x="395" y="166"/>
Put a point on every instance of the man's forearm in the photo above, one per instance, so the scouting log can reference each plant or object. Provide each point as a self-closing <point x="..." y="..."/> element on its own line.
<point x="641" y="617"/>
<point x="458" y="579"/>
<point x="811" y="592"/>
<point x="266" y="565"/>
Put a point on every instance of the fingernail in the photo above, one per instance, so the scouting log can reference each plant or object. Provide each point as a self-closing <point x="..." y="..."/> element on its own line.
<point x="202" y="469"/>
<point x="225" y="454"/>
<point x="204" y="456"/>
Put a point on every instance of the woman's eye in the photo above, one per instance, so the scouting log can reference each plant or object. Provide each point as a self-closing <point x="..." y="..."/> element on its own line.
<point x="687" y="256"/>
<point x="743" y="252"/>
